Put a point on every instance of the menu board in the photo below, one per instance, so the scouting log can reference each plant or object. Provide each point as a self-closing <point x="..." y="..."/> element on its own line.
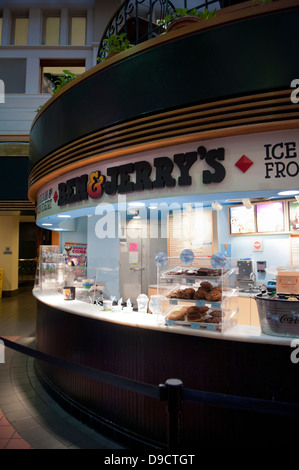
<point x="269" y="217"/>
<point x="241" y="220"/>
<point x="294" y="216"/>
<point x="192" y="230"/>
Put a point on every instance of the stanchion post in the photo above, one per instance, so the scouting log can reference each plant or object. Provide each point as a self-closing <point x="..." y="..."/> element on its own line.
<point x="173" y="394"/>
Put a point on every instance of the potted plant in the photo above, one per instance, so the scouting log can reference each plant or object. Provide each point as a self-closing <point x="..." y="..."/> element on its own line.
<point x="59" y="83"/>
<point x="183" y="17"/>
<point x="63" y="80"/>
<point x="114" y="44"/>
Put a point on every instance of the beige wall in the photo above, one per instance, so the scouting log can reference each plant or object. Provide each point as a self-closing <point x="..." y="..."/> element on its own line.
<point x="9" y="241"/>
<point x="104" y="11"/>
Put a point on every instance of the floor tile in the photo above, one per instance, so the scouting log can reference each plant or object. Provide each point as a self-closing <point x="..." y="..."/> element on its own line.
<point x="31" y="433"/>
<point x="3" y="421"/>
<point x="12" y="407"/>
<point x="46" y="443"/>
<point x="17" y="444"/>
<point x="3" y="443"/>
<point x="29" y="417"/>
<point x="25" y="423"/>
<point x="17" y="414"/>
<point x="6" y="432"/>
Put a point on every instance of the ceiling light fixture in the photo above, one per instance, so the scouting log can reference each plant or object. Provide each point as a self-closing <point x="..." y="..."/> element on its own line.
<point x="64" y="216"/>
<point x="217" y="206"/>
<point x="47" y="225"/>
<point x="247" y="203"/>
<point x="288" y="193"/>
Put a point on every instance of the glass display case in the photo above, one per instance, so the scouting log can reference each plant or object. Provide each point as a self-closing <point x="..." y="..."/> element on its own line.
<point x="198" y="295"/>
<point x="50" y="268"/>
<point x="55" y="275"/>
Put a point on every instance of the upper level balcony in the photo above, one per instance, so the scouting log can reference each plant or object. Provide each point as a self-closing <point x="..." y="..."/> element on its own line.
<point x="230" y="74"/>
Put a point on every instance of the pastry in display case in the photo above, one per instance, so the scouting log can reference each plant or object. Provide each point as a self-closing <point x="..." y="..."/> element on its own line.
<point x="201" y="297"/>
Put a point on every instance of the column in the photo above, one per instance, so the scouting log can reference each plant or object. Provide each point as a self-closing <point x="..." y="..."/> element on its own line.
<point x="34" y="31"/>
<point x="9" y="250"/>
<point x="64" y="27"/>
<point x="6" y="26"/>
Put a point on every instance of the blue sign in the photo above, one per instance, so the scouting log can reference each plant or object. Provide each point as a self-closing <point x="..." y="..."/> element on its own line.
<point x="161" y="260"/>
<point x="187" y="256"/>
<point x="218" y="260"/>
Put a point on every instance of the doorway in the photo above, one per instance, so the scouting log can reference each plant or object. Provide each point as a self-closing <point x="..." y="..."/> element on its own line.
<point x="132" y="260"/>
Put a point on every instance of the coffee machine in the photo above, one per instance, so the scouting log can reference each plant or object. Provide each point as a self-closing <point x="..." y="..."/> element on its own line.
<point x="246" y="276"/>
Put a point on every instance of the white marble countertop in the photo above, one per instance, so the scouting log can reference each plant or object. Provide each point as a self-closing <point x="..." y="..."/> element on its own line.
<point x="244" y="333"/>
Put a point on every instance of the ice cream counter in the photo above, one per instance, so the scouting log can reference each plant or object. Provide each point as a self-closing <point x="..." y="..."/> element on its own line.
<point x="240" y="361"/>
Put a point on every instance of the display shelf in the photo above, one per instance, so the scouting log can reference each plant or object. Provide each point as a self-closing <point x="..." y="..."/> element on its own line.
<point x="204" y="298"/>
<point x="193" y="274"/>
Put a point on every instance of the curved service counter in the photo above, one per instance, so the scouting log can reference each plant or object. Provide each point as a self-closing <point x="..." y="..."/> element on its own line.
<point x="240" y="361"/>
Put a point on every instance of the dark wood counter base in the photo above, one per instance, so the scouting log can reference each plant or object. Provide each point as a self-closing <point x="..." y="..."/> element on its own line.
<point x="263" y="371"/>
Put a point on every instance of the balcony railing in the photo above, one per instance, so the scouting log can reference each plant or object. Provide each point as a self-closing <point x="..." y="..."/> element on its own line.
<point x="141" y="20"/>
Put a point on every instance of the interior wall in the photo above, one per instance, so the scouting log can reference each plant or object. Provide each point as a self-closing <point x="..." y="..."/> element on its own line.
<point x="103" y="13"/>
<point x="9" y="249"/>
<point x="79" y="235"/>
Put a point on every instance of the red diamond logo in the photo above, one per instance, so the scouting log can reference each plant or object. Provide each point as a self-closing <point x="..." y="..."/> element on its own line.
<point x="244" y="163"/>
<point x="55" y="197"/>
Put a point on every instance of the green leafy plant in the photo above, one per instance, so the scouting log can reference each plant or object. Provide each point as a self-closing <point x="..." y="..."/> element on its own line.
<point x="181" y="12"/>
<point x="115" y="43"/>
<point x="206" y="14"/>
<point x="260" y="2"/>
<point x="39" y="108"/>
<point x="63" y="80"/>
<point x="59" y="83"/>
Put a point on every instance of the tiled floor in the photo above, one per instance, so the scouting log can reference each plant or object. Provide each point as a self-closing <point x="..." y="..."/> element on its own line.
<point x="29" y="417"/>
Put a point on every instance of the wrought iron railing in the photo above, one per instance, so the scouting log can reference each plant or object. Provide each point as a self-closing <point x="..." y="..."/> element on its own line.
<point x="141" y="20"/>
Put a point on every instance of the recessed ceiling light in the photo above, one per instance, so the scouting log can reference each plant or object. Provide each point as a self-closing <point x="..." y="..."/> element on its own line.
<point x="47" y="225"/>
<point x="288" y="193"/>
<point x="153" y="207"/>
<point x="64" y="216"/>
<point x="58" y="229"/>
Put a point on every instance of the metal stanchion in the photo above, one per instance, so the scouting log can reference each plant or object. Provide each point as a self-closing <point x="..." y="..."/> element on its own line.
<point x="172" y="393"/>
